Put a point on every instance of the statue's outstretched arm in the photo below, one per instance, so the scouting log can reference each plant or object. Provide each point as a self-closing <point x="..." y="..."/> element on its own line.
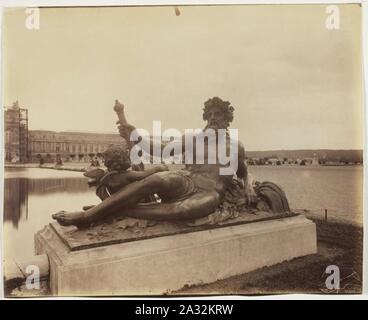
<point x="139" y="175"/>
<point x="126" y="129"/>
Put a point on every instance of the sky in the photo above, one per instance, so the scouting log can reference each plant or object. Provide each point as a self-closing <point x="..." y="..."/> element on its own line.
<point x="294" y="84"/>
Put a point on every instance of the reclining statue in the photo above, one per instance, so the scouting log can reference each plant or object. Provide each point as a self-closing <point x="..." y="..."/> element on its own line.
<point x="187" y="194"/>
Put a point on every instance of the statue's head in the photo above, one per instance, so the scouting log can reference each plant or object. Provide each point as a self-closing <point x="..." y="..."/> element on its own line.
<point x="116" y="158"/>
<point x="217" y="113"/>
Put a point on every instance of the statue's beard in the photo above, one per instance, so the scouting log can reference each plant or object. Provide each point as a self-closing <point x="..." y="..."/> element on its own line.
<point x="217" y="125"/>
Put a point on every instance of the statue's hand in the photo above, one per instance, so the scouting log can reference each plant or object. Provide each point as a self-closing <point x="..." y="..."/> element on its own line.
<point x="118" y="107"/>
<point x="125" y="130"/>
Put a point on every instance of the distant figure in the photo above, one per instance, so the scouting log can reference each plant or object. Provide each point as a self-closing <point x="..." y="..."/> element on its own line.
<point x="95" y="162"/>
<point x="42" y="161"/>
<point x="59" y="162"/>
<point x="15" y="158"/>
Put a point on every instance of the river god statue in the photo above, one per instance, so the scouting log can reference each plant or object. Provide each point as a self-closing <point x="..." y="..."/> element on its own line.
<point x="160" y="194"/>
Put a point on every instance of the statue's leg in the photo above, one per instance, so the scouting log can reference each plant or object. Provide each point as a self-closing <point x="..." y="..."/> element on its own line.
<point x="163" y="183"/>
<point x="197" y="205"/>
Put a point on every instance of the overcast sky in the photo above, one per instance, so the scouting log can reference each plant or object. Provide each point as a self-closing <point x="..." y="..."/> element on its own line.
<point x="293" y="83"/>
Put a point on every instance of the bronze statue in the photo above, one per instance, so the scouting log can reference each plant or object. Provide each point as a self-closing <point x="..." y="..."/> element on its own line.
<point x="186" y="194"/>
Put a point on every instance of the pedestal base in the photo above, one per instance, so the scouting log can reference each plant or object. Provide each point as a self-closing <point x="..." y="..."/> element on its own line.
<point x="162" y="264"/>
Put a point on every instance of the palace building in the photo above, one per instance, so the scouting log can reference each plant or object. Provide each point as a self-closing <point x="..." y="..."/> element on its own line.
<point x="23" y="145"/>
<point x="69" y="146"/>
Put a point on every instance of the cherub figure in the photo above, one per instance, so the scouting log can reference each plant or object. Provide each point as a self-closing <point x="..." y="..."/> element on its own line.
<point x="117" y="174"/>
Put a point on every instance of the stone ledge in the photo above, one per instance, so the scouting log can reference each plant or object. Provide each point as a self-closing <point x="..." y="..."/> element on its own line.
<point x="128" y="230"/>
<point x="164" y="264"/>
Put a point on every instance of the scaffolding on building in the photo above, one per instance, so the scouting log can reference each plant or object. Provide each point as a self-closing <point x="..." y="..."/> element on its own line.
<point x="16" y="134"/>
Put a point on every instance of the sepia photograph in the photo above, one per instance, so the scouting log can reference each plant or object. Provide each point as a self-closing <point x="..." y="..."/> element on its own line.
<point x="182" y="150"/>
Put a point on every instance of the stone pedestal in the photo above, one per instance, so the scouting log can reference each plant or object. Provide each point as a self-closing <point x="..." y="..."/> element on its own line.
<point x="161" y="264"/>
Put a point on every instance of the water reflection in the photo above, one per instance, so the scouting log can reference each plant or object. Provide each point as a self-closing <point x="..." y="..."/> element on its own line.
<point x="15" y="200"/>
<point x="18" y="190"/>
<point x="44" y="186"/>
<point x="31" y="195"/>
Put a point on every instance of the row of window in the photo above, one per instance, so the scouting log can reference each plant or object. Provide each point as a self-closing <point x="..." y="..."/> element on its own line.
<point x="68" y="138"/>
<point x="65" y="147"/>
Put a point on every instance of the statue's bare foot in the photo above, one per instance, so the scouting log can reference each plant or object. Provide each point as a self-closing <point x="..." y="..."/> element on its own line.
<point x="77" y="218"/>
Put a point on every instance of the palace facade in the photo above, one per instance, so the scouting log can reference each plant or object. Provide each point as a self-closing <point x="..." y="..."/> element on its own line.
<point x="23" y="145"/>
<point x="69" y="146"/>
